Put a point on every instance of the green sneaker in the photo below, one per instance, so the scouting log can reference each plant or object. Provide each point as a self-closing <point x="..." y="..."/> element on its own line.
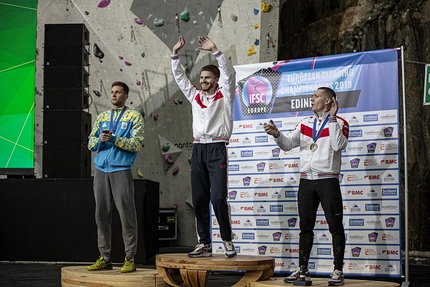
<point x="128" y="265"/>
<point x="100" y="264"/>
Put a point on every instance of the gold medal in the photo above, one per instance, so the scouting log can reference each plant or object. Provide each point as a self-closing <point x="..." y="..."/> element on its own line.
<point x="313" y="147"/>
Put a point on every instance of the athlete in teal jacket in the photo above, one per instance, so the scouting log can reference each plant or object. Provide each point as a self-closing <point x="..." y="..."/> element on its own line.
<point x="120" y="152"/>
<point x="116" y="136"/>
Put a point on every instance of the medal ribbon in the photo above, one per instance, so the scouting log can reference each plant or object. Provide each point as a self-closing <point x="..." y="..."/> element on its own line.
<point x="315" y="135"/>
<point x="114" y="124"/>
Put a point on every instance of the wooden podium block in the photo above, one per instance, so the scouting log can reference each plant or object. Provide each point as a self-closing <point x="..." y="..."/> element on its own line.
<point x="77" y="276"/>
<point x="193" y="271"/>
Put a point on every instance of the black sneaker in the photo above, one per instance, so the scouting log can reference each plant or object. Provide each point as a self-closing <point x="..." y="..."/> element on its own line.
<point x="336" y="278"/>
<point x="201" y="250"/>
<point x="295" y="275"/>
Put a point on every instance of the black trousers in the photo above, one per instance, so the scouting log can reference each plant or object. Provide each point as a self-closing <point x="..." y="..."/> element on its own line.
<point x="310" y="194"/>
<point x="209" y="182"/>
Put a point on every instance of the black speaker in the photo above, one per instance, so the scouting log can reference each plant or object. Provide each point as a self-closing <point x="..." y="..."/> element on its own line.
<point x="64" y="77"/>
<point x="66" y="127"/>
<point x="66" y="35"/>
<point x="65" y="99"/>
<point x="52" y="220"/>
<point x="66" y="56"/>
<point x="66" y="61"/>
<point x="66" y="161"/>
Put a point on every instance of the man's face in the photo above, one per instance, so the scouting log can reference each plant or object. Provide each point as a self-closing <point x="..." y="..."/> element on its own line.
<point x="319" y="102"/>
<point x="207" y="81"/>
<point x="118" y="97"/>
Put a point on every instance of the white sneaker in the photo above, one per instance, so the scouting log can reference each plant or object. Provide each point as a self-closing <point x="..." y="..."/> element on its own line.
<point x="230" y="252"/>
<point x="295" y="276"/>
<point x="201" y="250"/>
<point x="336" y="278"/>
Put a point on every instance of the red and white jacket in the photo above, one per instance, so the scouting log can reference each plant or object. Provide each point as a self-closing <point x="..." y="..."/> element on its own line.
<point x="212" y="117"/>
<point x="325" y="161"/>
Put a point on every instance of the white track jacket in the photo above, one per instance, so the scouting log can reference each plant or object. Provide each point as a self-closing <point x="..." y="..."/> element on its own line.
<point x="325" y="161"/>
<point x="212" y="119"/>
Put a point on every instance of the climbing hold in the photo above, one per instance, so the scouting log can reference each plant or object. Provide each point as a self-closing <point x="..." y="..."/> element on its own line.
<point x="121" y="57"/>
<point x="233" y="17"/>
<point x="143" y="54"/>
<point x="87" y="13"/>
<point x="185" y="16"/>
<point x="103" y="3"/>
<point x="168" y="159"/>
<point x="158" y="23"/>
<point x="138" y="172"/>
<point x="180" y="101"/>
<point x="138" y="21"/>
<point x="97" y="93"/>
<point x="155" y="117"/>
<point x="97" y="52"/>
<point x="265" y="7"/>
<point x="127" y="63"/>
<point x="256" y="26"/>
<point x="256" y="11"/>
<point x="175" y="101"/>
<point x="138" y="83"/>
<point x="251" y="51"/>
<point x="175" y="170"/>
<point x="165" y="147"/>
<point x="257" y="42"/>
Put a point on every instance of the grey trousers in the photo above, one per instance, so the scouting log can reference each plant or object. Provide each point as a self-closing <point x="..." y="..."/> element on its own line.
<point x="115" y="187"/>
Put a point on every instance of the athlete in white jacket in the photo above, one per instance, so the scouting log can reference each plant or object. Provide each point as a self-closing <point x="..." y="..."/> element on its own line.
<point x="321" y="139"/>
<point x="212" y="107"/>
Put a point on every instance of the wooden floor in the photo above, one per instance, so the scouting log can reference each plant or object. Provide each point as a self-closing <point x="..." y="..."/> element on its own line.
<point x="323" y="282"/>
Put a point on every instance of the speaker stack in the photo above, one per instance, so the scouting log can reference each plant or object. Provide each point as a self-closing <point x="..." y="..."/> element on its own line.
<point x="66" y="126"/>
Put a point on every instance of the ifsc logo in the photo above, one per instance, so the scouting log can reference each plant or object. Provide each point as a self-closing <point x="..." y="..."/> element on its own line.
<point x="257" y="95"/>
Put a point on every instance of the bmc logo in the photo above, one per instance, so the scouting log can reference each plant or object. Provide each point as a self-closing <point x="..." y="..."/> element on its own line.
<point x="390" y="252"/>
<point x="388" y="161"/>
<point x="372" y="267"/>
<point x="355" y="192"/>
<point x="234" y="140"/>
<point x="372" y="177"/>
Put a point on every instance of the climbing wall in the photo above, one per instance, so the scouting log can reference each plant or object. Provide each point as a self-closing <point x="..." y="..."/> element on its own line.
<point x="131" y="41"/>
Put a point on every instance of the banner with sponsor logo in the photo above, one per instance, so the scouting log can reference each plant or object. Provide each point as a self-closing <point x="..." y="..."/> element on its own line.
<point x="263" y="179"/>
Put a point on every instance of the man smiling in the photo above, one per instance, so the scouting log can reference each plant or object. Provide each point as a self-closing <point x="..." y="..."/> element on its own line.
<point x="212" y="107"/>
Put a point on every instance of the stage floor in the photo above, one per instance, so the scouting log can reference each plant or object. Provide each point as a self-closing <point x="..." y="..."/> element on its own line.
<point x="26" y="274"/>
<point x="319" y="282"/>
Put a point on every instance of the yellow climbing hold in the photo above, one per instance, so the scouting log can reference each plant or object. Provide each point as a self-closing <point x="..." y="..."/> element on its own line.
<point x="256" y="26"/>
<point x="265" y="7"/>
<point x="251" y="51"/>
<point x="139" y="173"/>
